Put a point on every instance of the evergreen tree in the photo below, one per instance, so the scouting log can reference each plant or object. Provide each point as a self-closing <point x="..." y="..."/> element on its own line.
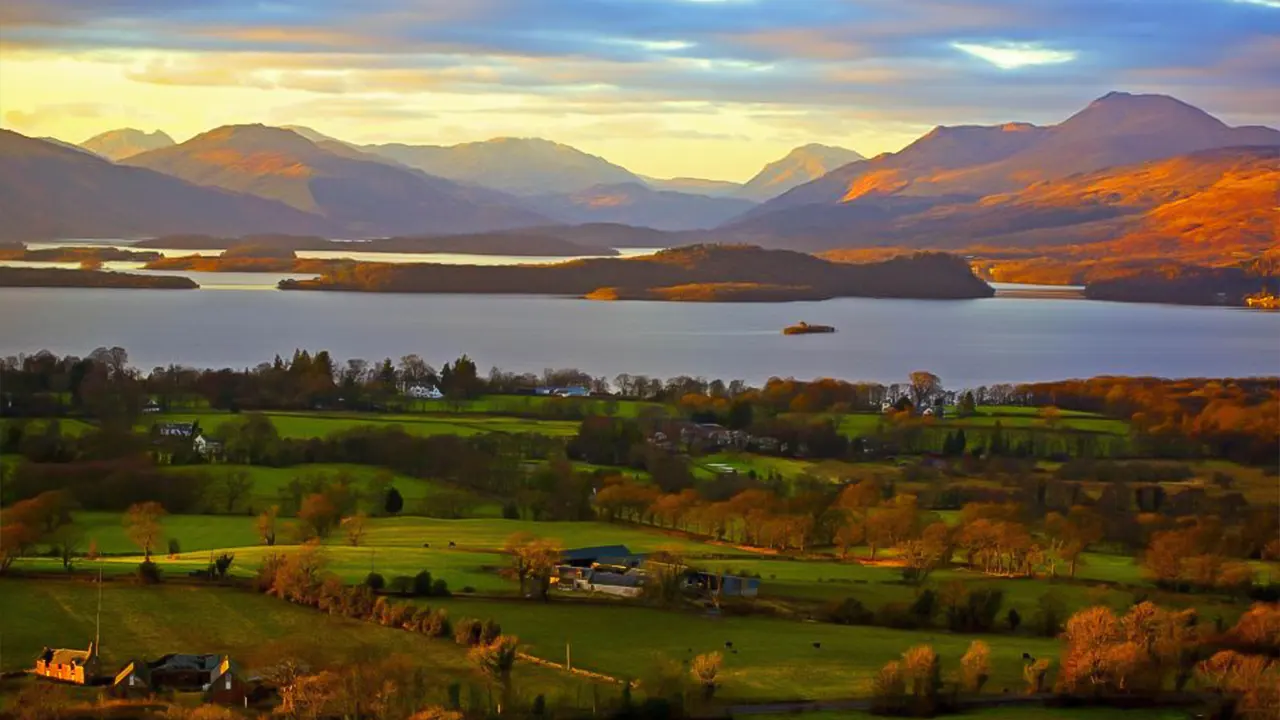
<point x="394" y="502"/>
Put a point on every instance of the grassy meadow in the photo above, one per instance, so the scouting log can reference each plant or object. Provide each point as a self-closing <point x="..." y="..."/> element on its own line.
<point x="320" y="424"/>
<point x="774" y="659"/>
<point x="255" y="630"/>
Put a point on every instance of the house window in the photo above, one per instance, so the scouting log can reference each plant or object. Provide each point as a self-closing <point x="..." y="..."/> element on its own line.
<point x="228" y="685"/>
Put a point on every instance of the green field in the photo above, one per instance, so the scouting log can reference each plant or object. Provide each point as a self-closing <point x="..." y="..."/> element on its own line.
<point x="392" y="546"/>
<point x="1013" y="418"/>
<point x="268" y="482"/>
<point x="1020" y="712"/>
<point x="775" y="659"/>
<point x="321" y="424"/>
<point x="146" y="622"/>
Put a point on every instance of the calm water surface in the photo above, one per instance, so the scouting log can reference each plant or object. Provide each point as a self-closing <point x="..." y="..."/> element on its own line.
<point x="967" y="343"/>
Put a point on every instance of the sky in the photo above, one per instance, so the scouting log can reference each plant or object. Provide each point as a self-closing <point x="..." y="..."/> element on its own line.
<point x="667" y="88"/>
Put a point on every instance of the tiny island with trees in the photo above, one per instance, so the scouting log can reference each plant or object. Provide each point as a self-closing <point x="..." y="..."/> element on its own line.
<point x="386" y="539"/>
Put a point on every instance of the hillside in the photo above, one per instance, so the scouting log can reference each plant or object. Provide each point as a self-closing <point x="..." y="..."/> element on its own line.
<point x="951" y="166"/>
<point x="697" y="186"/>
<point x="522" y="166"/>
<point x="362" y="196"/>
<point x="920" y="276"/>
<point x="48" y="191"/>
<point x="640" y="205"/>
<point x="801" y="165"/>
<point x="116" y="145"/>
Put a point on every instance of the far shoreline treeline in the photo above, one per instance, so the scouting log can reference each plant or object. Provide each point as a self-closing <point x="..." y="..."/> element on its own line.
<point x="1228" y="418"/>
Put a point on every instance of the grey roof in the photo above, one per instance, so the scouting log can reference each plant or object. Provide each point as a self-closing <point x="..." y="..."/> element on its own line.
<point x="593" y="553"/>
<point x="180" y="661"/>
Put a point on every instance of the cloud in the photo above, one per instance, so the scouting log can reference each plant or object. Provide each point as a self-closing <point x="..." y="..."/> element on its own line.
<point x="869" y="71"/>
<point x="1011" y="55"/>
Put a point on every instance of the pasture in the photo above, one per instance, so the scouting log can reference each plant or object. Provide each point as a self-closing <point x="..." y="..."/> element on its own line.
<point x="317" y="424"/>
<point x="270" y="482"/>
<point x="255" y="630"/>
<point x="774" y="659"/>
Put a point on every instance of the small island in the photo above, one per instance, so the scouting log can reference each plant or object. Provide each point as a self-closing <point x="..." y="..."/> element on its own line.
<point x="707" y="273"/>
<point x="805" y="328"/>
<point x="712" y="292"/>
<point x="248" y="259"/>
<point x="86" y="255"/>
<point x="522" y="243"/>
<point x="59" y="278"/>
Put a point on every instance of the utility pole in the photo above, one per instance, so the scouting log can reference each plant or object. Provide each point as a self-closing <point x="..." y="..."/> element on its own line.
<point x="97" y="623"/>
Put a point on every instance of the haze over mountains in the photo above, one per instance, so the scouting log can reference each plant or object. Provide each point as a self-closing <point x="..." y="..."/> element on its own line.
<point x="126" y="142"/>
<point x="1014" y="184"/>
<point x="362" y="195"/>
<point x="49" y="191"/>
<point x="802" y="165"/>
<point x="896" y="198"/>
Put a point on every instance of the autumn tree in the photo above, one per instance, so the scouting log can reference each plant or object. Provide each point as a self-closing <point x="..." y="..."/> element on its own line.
<point x="496" y="659"/>
<point x="317" y="516"/>
<point x="354" y="527"/>
<point x="975" y="666"/>
<point x="28" y="522"/>
<point x="1247" y="685"/>
<point x="299" y="574"/>
<point x="142" y="525"/>
<point x="923" y="672"/>
<point x="706" y="670"/>
<point x="1071" y="534"/>
<point x="267" y="525"/>
<point x="533" y="562"/>
<point x="924" y="386"/>
<point x="921" y="556"/>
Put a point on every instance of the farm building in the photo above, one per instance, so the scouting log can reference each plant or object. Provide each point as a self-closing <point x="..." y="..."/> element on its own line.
<point x="217" y="677"/>
<point x="721" y="586"/>
<point x="73" y="666"/>
<point x="601" y="555"/>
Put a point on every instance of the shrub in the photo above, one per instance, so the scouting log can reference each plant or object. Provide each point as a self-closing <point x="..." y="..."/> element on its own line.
<point x="467" y="632"/>
<point x="374" y="581"/>
<point x="422" y="584"/>
<point x="148" y="573"/>
<point x="489" y="631"/>
<point x="706" y="669"/>
<point x="849" y="611"/>
<point x="440" y="588"/>
<point x="438" y="625"/>
<point x="401" y="585"/>
<point x="975" y="666"/>
<point x="898" y="615"/>
<point x="889" y="690"/>
<point x="175" y="547"/>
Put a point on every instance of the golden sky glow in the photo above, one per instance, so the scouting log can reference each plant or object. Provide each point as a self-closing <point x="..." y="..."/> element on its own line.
<point x="663" y="87"/>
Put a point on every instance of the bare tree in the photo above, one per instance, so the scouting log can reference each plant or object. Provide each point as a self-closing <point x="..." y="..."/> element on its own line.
<point x="142" y="523"/>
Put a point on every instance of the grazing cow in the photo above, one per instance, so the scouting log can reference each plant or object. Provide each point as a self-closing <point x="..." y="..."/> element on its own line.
<point x="728" y="643"/>
<point x="426" y="545"/>
<point x="1027" y="657"/>
<point x="453" y="544"/>
<point x="817" y="646"/>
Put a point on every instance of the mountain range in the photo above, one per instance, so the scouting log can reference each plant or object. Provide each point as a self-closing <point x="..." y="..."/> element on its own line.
<point x="51" y="191"/>
<point x="1143" y="169"/>
<point x="125" y="143"/>
<point x="918" y="196"/>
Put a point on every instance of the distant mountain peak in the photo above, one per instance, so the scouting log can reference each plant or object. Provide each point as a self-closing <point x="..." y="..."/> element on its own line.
<point x="799" y="166"/>
<point x="126" y="142"/>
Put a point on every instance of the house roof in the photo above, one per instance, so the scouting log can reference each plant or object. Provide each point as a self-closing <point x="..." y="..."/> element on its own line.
<point x="615" y="579"/>
<point x="64" y="656"/>
<point x="592" y="553"/>
<point x="182" y="661"/>
<point x="134" y="667"/>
